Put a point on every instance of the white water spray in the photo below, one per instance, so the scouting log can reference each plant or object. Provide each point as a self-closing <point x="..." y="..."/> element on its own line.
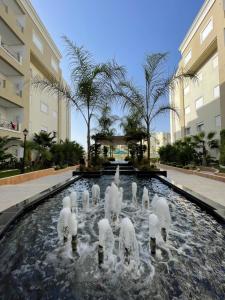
<point x="134" y="193"/>
<point x="113" y="202"/>
<point x="73" y="200"/>
<point x="162" y="211"/>
<point x="128" y="245"/>
<point x="106" y="240"/>
<point x="64" y="220"/>
<point x="95" y="194"/>
<point x="117" y="176"/>
<point x="85" y="200"/>
<point x="145" y="199"/>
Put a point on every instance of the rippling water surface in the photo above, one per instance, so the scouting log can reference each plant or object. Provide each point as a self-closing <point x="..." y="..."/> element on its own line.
<point x="191" y="265"/>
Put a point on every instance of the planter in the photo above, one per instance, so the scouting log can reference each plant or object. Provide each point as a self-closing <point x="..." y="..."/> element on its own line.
<point x="94" y="174"/>
<point x="153" y="173"/>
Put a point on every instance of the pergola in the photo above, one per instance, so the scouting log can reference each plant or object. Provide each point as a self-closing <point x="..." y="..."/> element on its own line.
<point x="116" y="140"/>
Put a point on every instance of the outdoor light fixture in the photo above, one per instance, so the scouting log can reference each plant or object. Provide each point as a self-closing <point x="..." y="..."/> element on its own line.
<point x="25" y="133"/>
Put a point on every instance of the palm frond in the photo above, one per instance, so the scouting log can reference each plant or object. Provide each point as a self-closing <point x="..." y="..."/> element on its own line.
<point x="163" y="109"/>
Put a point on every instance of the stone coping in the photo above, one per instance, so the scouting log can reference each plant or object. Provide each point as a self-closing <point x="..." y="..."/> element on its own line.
<point x="214" y="176"/>
<point x="11" y="214"/>
<point x="20" y="178"/>
<point x="213" y="208"/>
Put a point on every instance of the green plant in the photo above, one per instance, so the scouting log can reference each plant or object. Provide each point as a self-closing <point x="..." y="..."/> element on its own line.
<point x="222" y="147"/>
<point x="204" y="142"/>
<point x="5" y="144"/>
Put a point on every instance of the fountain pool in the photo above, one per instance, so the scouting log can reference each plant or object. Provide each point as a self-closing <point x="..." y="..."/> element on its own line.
<point x="34" y="264"/>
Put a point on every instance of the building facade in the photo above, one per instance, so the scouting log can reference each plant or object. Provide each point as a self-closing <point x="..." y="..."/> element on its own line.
<point x="158" y="139"/>
<point x="200" y="102"/>
<point x="27" y="50"/>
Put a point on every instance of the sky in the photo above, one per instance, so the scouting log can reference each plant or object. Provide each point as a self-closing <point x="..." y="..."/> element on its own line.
<point x="125" y="30"/>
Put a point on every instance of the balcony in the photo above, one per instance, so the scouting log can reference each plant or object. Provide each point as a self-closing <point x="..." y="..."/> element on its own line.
<point x="10" y="125"/>
<point x="10" y="43"/>
<point x="11" y="82"/>
<point x="11" y="116"/>
<point x="12" y="8"/>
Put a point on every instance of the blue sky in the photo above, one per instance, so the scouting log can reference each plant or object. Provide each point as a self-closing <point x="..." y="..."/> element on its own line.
<point x="122" y="29"/>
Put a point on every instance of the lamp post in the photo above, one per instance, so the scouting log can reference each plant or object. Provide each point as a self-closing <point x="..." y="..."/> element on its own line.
<point x="25" y="133"/>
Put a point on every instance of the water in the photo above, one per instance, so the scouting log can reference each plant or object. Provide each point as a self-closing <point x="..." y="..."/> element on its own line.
<point x="191" y="265"/>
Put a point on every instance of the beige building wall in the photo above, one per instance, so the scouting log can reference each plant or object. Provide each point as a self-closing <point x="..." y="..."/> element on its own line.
<point x="26" y="49"/>
<point x="158" y="139"/>
<point x="201" y="102"/>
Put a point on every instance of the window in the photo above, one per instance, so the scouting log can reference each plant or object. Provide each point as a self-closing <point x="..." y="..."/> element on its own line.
<point x="186" y="90"/>
<point x="188" y="57"/>
<point x="199" y="103"/>
<point x="44" y="107"/>
<point x="200" y="127"/>
<point x="54" y="114"/>
<point x="187" y="131"/>
<point x="37" y="41"/>
<point x="54" y="64"/>
<point x="187" y="110"/>
<point x="215" y="62"/>
<point x="216" y="92"/>
<point x="218" y="121"/>
<point x="204" y="34"/>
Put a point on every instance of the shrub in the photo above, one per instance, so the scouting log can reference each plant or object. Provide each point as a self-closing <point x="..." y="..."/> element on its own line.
<point x="222" y="147"/>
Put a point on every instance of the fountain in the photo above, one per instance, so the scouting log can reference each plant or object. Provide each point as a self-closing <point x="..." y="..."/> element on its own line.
<point x="106" y="241"/>
<point x="128" y="245"/>
<point x="117" y="176"/>
<point x="161" y="209"/>
<point x="153" y="231"/>
<point x="95" y="194"/>
<point x="73" y="230"/>
<point x="134" y="193"/>
<point x="85" y="200"/>
<point x="64" y="220"/>
<point x="113" y="202"/>
<point x="145" y="199"/>
<point x="73" y="199"/>
<point x="114" y="259"/>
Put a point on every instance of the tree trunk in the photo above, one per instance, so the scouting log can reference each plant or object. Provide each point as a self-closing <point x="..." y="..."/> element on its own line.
<point x="148" y="142"/>
<point x="204" y="154"/>
<point x="88" y="144"/>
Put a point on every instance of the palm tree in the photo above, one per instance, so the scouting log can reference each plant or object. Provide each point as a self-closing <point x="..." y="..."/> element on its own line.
<point x="203" y="142"/>
<point x="5" y="144"/>
<point x="44" y="139"/>
<point x="134" y="131"/>
<point x="148" y="102"/>
<point x="105" y="121"/>
<point x="91" y="83"/>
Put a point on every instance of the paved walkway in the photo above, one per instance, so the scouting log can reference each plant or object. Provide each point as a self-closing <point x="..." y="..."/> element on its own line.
<point x="13" y="194"/>
<point x="211" y="189"/>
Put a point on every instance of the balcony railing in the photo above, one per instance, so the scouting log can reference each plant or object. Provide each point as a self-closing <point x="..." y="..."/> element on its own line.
<point x="11" y="87"/>
<point x="9" y="125"/>
<point x="11" y="52"/>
